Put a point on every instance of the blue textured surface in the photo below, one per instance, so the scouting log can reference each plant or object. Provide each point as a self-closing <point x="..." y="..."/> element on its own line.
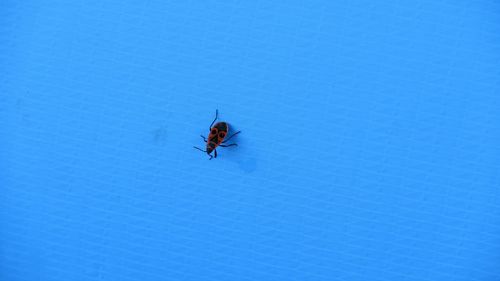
<point x="369" y="148"/>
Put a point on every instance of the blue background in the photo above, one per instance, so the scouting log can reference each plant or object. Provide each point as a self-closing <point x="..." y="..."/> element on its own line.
<point x="369" y="148"/>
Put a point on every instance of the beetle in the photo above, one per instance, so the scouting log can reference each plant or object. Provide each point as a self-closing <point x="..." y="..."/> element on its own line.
<point x="217" y="137"/>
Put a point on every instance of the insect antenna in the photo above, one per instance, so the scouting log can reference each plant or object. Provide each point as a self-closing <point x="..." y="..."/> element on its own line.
<point x="200" y="149"/>
<point x="206" y="152"/>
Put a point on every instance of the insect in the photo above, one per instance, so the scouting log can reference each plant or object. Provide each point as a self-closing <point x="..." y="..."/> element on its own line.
<point x="217" y="137"/>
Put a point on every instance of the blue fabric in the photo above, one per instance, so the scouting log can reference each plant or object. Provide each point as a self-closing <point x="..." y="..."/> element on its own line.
<point x="369" y="144"/>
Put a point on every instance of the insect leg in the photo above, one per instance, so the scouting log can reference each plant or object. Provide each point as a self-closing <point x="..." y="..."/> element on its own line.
<point x="205" y="139"/>
<point x="231" y="136"/>
<point x="216" y="116"/>
<point x="227" y="145"/>
<point x="215" y="153"/>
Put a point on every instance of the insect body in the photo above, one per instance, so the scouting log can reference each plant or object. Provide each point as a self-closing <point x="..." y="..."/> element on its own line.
<point x="217" y="137"/>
